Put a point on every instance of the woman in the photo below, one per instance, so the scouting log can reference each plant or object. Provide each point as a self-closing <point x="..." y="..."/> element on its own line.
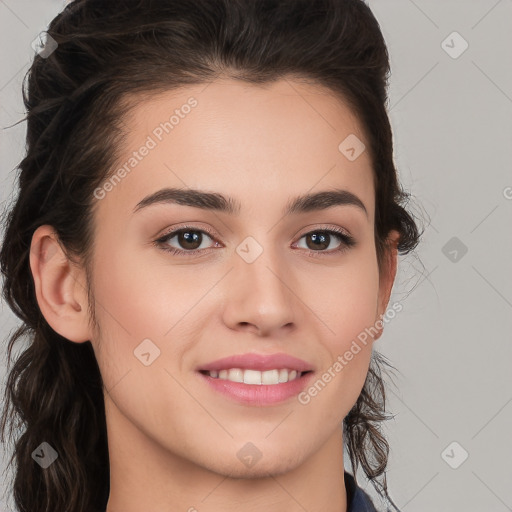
<point x="202" y="254"/>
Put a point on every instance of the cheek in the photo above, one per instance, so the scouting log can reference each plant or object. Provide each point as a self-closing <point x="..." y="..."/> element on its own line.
<point x="142" y="335"/>
<point x="349" y="306"/>
<point x="145" y="309"/>
<point x="349" y="310"/>
<point x="140" y="298"/>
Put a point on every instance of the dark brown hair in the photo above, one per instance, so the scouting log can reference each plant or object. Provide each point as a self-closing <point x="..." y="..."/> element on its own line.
<point x="75" y="100"/>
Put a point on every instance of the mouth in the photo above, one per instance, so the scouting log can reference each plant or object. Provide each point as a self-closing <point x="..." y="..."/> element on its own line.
<point x="257" y="388"/>
<point x="252" y="377"/>
<point x="257" y="379"/>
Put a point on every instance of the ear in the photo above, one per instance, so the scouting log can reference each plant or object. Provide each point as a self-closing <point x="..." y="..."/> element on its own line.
<point x="60" y="286"/>
<point x="387" y="276"/>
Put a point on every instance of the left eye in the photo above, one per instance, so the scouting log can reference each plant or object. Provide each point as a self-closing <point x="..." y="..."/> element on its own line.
<point x="187" y="238"/>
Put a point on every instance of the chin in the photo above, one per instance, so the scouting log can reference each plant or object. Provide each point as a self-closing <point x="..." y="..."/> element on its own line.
<point x="273" y="465"/>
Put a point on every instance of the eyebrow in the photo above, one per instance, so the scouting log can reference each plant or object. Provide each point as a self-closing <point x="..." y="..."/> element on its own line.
<point x="218" y="202"/>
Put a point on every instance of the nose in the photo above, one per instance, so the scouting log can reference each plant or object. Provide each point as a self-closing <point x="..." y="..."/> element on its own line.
<point x="260" y="296"/>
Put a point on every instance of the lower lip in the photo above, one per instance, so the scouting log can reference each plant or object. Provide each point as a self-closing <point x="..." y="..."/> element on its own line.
<point x="256" y="394"/>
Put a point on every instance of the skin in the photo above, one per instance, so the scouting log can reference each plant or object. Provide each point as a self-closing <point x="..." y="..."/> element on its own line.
<point x="173" y="441"/>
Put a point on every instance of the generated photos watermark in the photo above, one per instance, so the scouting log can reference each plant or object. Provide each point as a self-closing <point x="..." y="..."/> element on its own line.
<point x="157" y="135"/>
<point x="343" y="359"/>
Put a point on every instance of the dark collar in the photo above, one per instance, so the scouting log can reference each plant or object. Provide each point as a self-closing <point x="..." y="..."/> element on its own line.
<point x="357" y="499"/>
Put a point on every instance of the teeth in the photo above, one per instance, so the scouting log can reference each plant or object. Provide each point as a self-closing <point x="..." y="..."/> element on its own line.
<point x="270" y="377"/>
<point x="235" y="375"/>
<point x="256" y="377"/>
<point x="250" y="376"/>
<point x="283" y="375"/>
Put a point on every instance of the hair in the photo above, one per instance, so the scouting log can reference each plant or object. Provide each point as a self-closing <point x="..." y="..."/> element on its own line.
<point x="110" y="55"/>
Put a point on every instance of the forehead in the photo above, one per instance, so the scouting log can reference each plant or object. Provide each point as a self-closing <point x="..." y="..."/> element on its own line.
<point x="252" y="142"/>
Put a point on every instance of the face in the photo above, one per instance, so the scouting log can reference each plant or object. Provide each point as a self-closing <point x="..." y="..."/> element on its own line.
<point x="255" y="281"/>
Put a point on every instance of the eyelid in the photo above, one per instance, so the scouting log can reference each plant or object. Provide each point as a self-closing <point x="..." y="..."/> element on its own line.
<point x="186" y="226"/>
<point x="324" y="227"/>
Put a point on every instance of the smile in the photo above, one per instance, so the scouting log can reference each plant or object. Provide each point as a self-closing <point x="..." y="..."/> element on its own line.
<point x="255" y="377"/>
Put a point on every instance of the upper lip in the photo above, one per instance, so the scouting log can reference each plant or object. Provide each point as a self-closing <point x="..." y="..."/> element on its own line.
<point x="259" y="362"/>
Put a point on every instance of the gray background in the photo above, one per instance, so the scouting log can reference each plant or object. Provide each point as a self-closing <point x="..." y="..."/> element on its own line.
<point x="451" y="117"/>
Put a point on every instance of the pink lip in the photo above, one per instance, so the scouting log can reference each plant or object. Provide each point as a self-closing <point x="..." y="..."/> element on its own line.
<point x="256" y="394"/>
<point x="259" y="362"/>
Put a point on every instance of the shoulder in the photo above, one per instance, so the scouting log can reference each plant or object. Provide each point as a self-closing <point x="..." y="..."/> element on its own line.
<point x="357" y="499"/>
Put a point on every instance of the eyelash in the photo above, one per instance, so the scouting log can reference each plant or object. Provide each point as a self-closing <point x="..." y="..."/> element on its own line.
<point x="347" y="241"/>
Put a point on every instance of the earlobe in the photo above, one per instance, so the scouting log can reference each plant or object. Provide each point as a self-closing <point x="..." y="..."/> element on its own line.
<point x="60" y="290"/>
